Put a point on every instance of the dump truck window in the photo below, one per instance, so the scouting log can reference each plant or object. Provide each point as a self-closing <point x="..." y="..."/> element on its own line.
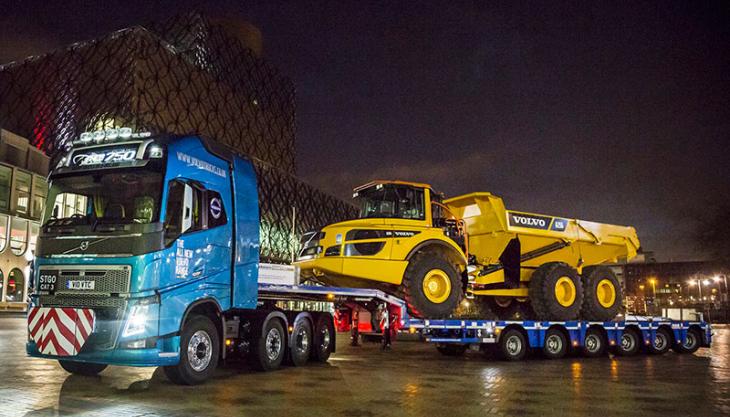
<point x="392" y="202"/>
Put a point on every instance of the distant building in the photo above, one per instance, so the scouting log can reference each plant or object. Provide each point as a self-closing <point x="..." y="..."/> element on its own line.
<point x="23" y="189"/>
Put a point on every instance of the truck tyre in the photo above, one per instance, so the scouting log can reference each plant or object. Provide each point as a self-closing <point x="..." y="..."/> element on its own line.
<point x="82" y="368"/>
<point x="324" y="338"/>
<point x="451" y="349"/>
<point x="691" y="342"/>
<point x="630" y="343"/>
<point x="269" y="349"/>
<point x="556" y="344"/>
<point x="432" y="286"/>
<point x="602" y="294"/>
<point x="512" y="345"/>
<point x="300" y="346"/>
<point x="199" y="351"/>
<point x="661" y="343"/>
<point x="594" y="345"/>
<point x="556" y="292"/>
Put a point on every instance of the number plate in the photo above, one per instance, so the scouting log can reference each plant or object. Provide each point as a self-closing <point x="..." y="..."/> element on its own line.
<point x="47" y="281"/>
<point x="80" y="285"/>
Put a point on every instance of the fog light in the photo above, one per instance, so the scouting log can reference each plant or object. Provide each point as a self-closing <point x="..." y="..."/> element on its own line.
<point x="138" y="344"/>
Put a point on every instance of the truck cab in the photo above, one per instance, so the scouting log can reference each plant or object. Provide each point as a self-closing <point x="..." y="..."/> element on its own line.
<point x="402" y="229"/>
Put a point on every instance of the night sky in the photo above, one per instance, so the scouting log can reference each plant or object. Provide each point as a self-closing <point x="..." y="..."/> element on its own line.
<point x="612" y="112"/>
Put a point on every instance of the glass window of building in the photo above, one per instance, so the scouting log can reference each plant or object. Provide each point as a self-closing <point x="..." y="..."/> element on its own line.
<point x="3" y="231"/>
<point x="40" y="189"/>
<point x="16" y="286"/>
<point x="6" y="175"/>
<point x="68" y="204"/>
<point x="18" y="235"/>
<point x="22" y="190"/>
<point x="33" y="237"/>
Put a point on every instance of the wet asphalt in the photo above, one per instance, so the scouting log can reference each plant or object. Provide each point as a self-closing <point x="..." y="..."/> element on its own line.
<point x="410" y="380"/>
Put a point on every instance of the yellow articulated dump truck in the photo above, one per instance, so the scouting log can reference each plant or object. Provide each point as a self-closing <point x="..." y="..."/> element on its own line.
<point x="413" y="243"/>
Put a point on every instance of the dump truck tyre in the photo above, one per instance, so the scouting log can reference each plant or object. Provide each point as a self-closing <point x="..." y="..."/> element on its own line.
<point x="556" y="292"/>
<point x="602" y="294"/>
<point x="432" y="287"/>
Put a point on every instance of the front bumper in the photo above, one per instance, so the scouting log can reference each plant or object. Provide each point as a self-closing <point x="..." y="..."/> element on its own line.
<point x="164" y="354"/>
<point x="350" y="271"/>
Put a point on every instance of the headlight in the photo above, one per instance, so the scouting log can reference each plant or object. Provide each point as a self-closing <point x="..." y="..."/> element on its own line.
<point x="136" y="320"/>
<point x="140" y="314"/>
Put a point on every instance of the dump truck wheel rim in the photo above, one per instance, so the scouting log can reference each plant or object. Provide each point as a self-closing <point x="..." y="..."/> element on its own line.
<point x="565" y="291"/>
<point x="437" y="286"/>
<point x="606" y="293"/>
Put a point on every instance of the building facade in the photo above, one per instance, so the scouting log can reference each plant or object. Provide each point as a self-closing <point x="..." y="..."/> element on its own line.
<point x="23" y="189"/>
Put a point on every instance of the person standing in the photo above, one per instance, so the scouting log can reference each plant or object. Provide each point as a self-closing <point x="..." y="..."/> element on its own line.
<point x="385" y="325"/>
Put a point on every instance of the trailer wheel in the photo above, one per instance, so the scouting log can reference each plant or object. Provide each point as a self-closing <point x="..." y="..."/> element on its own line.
<point x="661" y="343"/>
<point x="512" y="345"/>
<point x="324" y="338"/>
<point x="594" y="344"/>
<point x="269" y="350"/>
<point x="556" y="292"/>
<point x="556" y="344"/>
<point x="451" y="349"/>
<point x="691" y="342"/>
<point x="630" y="343"/>
<point x="602" y="294"/>
<point x="199" y="350"/>
<point x="432" y="286"/>
<point x="82" y="368"/>
<point x="300" y="347"/>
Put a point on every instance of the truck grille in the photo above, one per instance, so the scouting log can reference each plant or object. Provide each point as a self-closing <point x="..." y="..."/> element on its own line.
<point x="110" y="279"/>
<point x="82" y="301"/>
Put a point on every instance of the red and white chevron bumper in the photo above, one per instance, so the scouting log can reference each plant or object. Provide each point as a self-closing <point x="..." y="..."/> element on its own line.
<point x="60" y="331"/>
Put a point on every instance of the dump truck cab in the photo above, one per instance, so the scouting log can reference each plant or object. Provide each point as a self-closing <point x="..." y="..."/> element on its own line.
<point x="399" y="226"/>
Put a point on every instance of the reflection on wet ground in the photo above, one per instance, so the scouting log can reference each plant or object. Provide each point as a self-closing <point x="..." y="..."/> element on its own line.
<point x="412" y="380"/>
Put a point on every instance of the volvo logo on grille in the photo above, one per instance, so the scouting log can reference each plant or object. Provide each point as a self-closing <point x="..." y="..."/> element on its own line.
<point x="84" y="245"/>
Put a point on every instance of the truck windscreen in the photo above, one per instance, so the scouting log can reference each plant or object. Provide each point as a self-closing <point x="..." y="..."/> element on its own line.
<point x="392" y="201"/>
<point x="122" y="196"/>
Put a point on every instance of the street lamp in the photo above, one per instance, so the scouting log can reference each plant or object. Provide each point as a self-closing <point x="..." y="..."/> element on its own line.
<point x="652" y="281"/>
<point x="699" y="286"/>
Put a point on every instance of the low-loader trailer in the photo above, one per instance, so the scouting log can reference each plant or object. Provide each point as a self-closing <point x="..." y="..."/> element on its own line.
<point x="150" y="255"/>
<point x="431" y="251"/>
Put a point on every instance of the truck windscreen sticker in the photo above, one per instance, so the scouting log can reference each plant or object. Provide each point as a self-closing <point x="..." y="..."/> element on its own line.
<point x="200" y="164"/>
<point x="103" y="157"/>
<point x="529" y="220"/>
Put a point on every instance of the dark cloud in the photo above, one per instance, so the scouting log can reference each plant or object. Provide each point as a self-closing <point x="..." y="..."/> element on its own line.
<point x="603" y="111"/>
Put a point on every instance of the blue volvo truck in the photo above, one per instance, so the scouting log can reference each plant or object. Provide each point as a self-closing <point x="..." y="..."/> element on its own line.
<point x="149" y="255"/>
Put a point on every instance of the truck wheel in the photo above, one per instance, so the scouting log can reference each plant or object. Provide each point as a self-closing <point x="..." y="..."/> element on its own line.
<point x="594" y="344"/>
<point x="556" y="292"/>
<point x="662" y="342"/>
<point x="324" y="338"/>
<point x="691" y="342"/>
<point x="630" y="343"/>
<point x="556" y="344"/>
<point x="199" y="351"/>
<point x="451" y="349"/>
<point x="268" y="351"/>
<point x="300" y="347"/>
<point x="512" y="345"/>
<point x="82" y="368"/>
<point x="602" y="294"/>
<point x="432" y="287"/>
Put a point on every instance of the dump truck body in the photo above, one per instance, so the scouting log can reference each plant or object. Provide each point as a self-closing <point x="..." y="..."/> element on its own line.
<point x="542" y="239"/>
